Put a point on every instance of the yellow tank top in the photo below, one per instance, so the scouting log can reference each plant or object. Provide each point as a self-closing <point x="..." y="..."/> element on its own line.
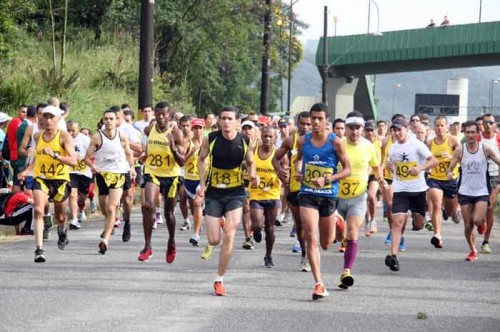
<point x="378" y="150"/>
<point x="192" y="165"/>
<point x="269" y="187"/>
<point x="294" y="184"/>
<point x="160" y="160"/>
<point x="387" y="172"/>
<point x="47" y="167"/>
<point x="439" y="172"/>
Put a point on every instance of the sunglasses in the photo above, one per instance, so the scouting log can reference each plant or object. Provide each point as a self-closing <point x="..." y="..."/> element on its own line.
<point x="489" y="122"/>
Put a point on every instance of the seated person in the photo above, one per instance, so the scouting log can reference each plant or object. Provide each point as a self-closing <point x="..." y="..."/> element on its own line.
<point x="16" y="208"/>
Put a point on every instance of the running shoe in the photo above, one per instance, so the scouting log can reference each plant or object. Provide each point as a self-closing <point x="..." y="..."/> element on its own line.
<point x="39" y="256"/>
<point x="340" y="223"/>
<point x="207" y="253"/>
<point x="296" y="247"/>
<point x="145" y="255"/>
<point x="170" y="254"/>
<point x="74" y="225"/>
<point x="47" y="226"/>
<point x="155" y="225"/>
<point x="186" y="226"/>
<point x="437" y="242"/>
<point x="248" y="244"/>
<point x="82" y="217"/>
<point x="343" y="245"/>
<point x="472" y="256"/>
<point x="368" y="226"/>
<point x="62" y="242"/>
<point x="93" y="207"/>
<point x="195" y="240"/>
<point x="388" y="239"/>
<point x="278" y="223"/>
<point x="103" y="247"/>
<point x="485" y="249"/>
<point x="445" y="215"/>
<point x="481" y="229"/>
<point x="112" y="233"/>
<point x="268" y="262"/>
<point x="392" y="262"/>
<point x="457" y="217"/>
<point x="287" y="218"/>
<point x="257" y="235"/>
<point x="293" y="232"/>
<point x="158" y="218"/>
<point x="346" y="280"/>
<point x="126" y="232"/>
<point x="320" y="291"/>
<point x="373" y="227"/>
<point x="402" y="244"/>
<point x="219" y="289"/>
<point x="428" y="226"/>
<point x="304" y="265"/>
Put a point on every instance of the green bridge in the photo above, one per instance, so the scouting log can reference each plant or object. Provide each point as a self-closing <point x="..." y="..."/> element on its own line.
<point x="352" y="58"/>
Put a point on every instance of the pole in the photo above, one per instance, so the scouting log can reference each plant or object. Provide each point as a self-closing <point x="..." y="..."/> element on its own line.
<point x="290" y="60"/>
<point x="146" y="54"/>
<point x="324" y="67"/>
<point x="281" y="67"/>
<point x="369" y="10"/>
<point x="480" y="9"/>
<point x="264" y="92"/>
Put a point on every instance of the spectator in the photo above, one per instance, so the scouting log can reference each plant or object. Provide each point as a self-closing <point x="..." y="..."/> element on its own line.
<point x="445" y="22"/>
<point x="17" y="162"/>
<point x="16" y="208"/>
<point x="431" y="25"/>
<point x="4" y="164"/>
<point x="147" y="116"/>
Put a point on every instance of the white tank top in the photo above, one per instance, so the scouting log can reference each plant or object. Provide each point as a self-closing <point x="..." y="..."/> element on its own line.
<point x="474" y="168"/>
<point x="110" y="157"/>
<point x="492" y="142"/>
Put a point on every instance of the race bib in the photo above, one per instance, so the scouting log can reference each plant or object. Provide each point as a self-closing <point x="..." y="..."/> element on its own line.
<point x="226" y="178"/>
<point x="315" y="171"/>
<point x="351" y="187"/>
<point x="403" y="170"/>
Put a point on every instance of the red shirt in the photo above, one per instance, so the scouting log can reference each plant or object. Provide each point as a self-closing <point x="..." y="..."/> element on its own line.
<point x="11" y="134"/>
<point x="17" y="199"/>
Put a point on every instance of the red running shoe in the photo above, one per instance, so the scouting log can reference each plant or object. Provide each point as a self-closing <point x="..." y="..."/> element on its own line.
<point x="472" y="256"/>
<point x="481" y="229"/>
<point x="340" y="223"/>
<point x="145" y="255"/>
<point x="219" y="289"/>
<point x="171" y="253"/>
<point x="320" y="291"/>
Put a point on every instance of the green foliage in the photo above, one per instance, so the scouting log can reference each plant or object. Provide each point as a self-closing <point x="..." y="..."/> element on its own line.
<point x="55" y="83"/>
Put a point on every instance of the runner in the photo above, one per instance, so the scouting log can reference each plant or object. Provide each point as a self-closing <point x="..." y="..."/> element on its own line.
<point x="490" y="137"/>
<point x="352" y="192"/>
<point x="284" y="165"/>
<point x="54" y="153"/>
<point x="113" y="159"/>
<point x="192" y="178"/>
<point x="249" y="129"/>
<point x="265" y="198"/>
<point x="185" y="126"/>
<point x="442" y="191"/>
<point x="408" y="159"/>
<point x="474" y="187"/>
<point x="163" y="158"/>
<point x="80" y="175"/>
<point x="318" y="154"/>
<point x="222" y="185"/>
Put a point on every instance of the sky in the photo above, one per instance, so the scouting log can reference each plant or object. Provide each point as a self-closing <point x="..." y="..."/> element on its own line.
<point x="352" y="15"/>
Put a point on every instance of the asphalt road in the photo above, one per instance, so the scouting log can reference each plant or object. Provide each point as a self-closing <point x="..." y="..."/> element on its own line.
<point x="80" y="290"/>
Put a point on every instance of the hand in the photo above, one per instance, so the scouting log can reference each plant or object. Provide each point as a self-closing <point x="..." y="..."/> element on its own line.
<point x="200" y="191"/>
<point x="132" y="172"/>
<point x="319" y="181"/>
<point x="414" y="170"/>
<point x="449" y="174"/>
<point x="255" y="180"/>
<point x="48" y="151"/>
<point x="298" y="176"/>
<point x="284" y="173"/>
<point x="22" y="176"/>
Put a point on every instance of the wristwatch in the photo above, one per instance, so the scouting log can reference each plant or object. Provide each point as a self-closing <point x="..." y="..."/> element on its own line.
<point x="56" y="155"/>
<point x="327" y="179"/>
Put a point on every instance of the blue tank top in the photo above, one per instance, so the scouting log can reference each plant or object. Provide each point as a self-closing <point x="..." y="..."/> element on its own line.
<point x="319" y="162"/>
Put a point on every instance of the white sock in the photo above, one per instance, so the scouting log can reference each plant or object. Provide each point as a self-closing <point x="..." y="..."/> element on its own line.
<point x="219" y="278"/>
<point x="187" y="221"/>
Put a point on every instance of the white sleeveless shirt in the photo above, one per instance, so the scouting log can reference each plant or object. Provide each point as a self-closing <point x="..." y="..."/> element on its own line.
<point x="474" y="168"/>
<point x="110" y="157"/>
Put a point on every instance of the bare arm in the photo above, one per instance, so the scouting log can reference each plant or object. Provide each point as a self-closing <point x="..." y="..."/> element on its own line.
<point x="492" y="154"/>
<point x="67" y="141"/>
<point x="128" y="154"/>
<point x="344" y="161"/>
<point x="202" y="166"/>
<point x="23" y="147"/>
<point x="298" y="161"/>
<point x="279" y="166"/>
<point x="250" y="166"/>
<point x="176" y="139"/>
<point x="457" y="157"/>
<point x="95" y="142"/>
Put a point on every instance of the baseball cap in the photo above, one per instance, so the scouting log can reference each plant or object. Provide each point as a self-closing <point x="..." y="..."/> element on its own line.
<point x="283" y="122"/>
<point x="198" y="122"/>
<point x="354" y="121"/>
<point x="248" y="123"/>
<point x="370" y="125"/>
<point x="4" y="117"/>
<point x="399" y="123"/>
<point x="55" y="111"/>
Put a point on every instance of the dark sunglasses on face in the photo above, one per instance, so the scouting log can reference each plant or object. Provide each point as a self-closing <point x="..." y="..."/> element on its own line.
<point x="489" y="122"/>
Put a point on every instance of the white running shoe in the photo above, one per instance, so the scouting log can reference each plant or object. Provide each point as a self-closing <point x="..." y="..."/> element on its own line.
<point x="74" y="224"/>
<point x="186" y="226"/>
<point x="304" y="265"/>
<point x="158" y="218"/>
<point x="82" y="217"/>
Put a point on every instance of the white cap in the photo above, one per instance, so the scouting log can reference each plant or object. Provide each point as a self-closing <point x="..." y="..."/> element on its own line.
<point x="248" y="123"/>
<point x="54" y="110"/>
<point x="4" y="117"/>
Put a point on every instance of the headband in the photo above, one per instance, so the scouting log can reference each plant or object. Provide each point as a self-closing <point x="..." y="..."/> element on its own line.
<point x="354" y="121"/>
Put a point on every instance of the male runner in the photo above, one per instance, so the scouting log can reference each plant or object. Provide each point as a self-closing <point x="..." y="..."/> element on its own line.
<point x="222" y="185"/>
<point x="318" y="154"/>
<point x="54" y="153"/>
<point x="164" y="156"/>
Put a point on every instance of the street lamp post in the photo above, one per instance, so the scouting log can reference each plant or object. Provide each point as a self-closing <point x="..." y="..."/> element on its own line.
<point x="369" y="16"/>
<point x="280" y="24"/>
<point x="394" y="87"/>
<point x="492" y="93"/>
<point x="264" y="97"/>
<point x="290" y="17"/>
